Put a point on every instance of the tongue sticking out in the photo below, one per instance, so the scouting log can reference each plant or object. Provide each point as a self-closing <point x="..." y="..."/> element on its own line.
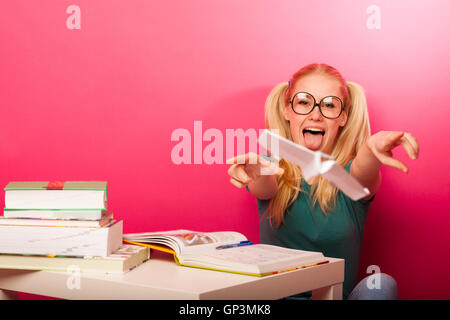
<point x="313" y="141"/>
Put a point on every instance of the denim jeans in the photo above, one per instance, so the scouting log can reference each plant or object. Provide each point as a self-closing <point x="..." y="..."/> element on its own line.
<point x="378" y="286"/>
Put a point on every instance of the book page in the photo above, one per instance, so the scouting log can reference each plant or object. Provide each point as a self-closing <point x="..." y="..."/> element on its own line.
<point x="258" y="254"/>
<point x="189" y="241"/>
<point x="211" y="240"/>
<point x="252" y="259"/>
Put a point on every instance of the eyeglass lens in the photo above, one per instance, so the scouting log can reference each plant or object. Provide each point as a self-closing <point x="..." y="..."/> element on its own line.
<point x="303" y="103"/>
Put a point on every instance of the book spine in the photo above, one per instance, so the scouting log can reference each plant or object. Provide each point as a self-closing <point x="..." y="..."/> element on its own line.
<point x="115" y="236"/>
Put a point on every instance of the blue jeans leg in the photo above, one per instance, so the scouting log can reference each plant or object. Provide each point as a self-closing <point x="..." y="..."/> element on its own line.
<point x="378" y="286"/>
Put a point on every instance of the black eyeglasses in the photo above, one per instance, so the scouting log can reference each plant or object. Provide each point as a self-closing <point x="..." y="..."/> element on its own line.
<point x="304" y="103"/>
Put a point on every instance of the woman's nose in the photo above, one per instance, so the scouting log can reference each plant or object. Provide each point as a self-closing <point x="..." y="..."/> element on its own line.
<point x="315" y="113"/>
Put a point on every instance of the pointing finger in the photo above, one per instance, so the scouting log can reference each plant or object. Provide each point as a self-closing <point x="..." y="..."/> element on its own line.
<point x="393" y="140"/>
<point x="241" y="175"/>
<point x="392" y="162"/>
<point x="406" y="144"/>
<point x="414" y="144"/>
<point x="272" y="169"/>
<point x="250" y="157"/>
<point x="238" y="173"/>
<point x="236" y="183"/>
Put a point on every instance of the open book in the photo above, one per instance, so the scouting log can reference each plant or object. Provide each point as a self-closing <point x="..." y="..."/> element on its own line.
<point x="311" y="164"/>
<point x="226" y="251"/>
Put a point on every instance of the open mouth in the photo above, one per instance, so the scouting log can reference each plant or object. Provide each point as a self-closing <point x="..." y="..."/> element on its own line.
<point x="313" y="131"/>
<point x="313" y="138"/>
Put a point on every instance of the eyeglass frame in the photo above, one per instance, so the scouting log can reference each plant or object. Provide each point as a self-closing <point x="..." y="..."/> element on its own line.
<point x="316" y="105"/>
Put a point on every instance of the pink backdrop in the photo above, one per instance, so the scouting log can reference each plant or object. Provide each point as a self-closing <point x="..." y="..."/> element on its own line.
<point x="101" y="103"/>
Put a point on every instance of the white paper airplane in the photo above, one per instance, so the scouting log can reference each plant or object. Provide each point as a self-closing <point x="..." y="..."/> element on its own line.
<point x="310" y="163"/>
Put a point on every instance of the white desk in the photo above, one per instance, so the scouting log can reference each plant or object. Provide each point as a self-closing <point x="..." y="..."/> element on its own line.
<point x="161" y="278"/>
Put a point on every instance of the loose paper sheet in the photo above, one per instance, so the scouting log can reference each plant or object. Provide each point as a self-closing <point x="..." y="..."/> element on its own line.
<point x="310" y="163"/>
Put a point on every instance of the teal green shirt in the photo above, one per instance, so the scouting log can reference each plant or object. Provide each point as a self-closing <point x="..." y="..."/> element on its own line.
<point x="339" y="234"/>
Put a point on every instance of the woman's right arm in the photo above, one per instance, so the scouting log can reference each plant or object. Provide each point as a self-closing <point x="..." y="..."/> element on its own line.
<point x="255" y="172"/>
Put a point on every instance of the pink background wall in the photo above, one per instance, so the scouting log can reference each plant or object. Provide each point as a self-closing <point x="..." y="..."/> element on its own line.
<point x="101" y="103"/>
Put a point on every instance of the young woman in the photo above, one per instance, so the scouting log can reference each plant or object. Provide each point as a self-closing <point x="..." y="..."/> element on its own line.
<point x="318" y="109"/>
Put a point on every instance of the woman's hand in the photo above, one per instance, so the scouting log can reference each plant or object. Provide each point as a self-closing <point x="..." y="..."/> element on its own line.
<point x="249" y="168"/>
<point x="382" y="143"/>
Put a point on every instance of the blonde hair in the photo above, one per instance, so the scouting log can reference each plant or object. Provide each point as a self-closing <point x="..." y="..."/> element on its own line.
<point x="351" y="137"/>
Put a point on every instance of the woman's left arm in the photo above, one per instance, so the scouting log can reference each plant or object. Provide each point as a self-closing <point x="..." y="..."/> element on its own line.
<point x="378" y="151"/>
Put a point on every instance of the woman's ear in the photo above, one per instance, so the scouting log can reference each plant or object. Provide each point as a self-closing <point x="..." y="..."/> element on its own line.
<point x="286" y="113"/>
<point x="343" y="117"/>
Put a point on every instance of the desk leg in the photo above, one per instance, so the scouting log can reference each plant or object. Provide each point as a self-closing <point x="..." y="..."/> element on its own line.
<point x="333" y="292"/>
<point x="8" y="295"/>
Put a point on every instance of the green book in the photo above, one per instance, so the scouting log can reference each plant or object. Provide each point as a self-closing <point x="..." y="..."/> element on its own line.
<point x="56" y="195"/>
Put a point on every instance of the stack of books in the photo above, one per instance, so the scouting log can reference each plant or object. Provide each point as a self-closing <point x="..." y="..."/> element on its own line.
<point x="49" y="225"/>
